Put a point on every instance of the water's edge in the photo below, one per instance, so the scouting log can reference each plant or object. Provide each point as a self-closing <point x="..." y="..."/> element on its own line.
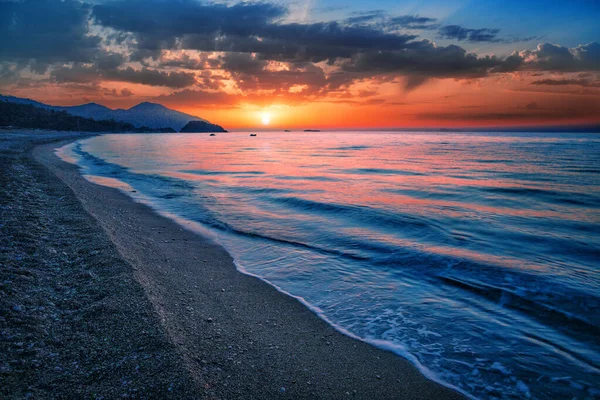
<point x="213" y="235"/>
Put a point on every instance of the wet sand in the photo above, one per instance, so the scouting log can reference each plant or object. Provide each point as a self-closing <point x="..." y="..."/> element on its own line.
<point x="233" y="335"/>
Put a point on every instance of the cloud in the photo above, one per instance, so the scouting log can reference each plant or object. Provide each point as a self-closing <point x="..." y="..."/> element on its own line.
<point x="359" y="18"/>
<point x="186" y="61"/>
<point x="151" y="77"/>
<point x="552" y="57"/>
<point x="423" y="62"/>
<point x="242" y="63"/>
<point x="566" y="82"/>
<point x="76" y="73"/>
<point x="242" y="28"/>
<point x="413" y="22"/>
<point x="490" y="35"/>
<point x="199" y="98"/>
<point x="385" y="21"/>
<point x="81" y="74"/>
<point x="568" y="109"/>
<point x="459" y="33"/>
<point x="249" y="47"/>
<point x="428" y="60"/>
<point x="47" y="31"/>
<point x="531" y="106"/>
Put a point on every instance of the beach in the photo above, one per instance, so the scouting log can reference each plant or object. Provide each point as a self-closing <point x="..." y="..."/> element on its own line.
<point x="103" y="297"/>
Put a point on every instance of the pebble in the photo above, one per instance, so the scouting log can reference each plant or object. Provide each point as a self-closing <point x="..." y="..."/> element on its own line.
<point x="17" y="308"/>
<point x="209" y="320"/>
<point x="282" y="389"/>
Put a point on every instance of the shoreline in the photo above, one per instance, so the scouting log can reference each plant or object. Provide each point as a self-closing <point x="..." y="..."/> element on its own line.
<point x="238" y="336"/>
<point x="74" y="322"/>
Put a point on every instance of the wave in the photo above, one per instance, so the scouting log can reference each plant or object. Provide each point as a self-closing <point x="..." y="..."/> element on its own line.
<point x="365" y="214"/>
<point x="548" y="314"/>
<point x="553" y="196"/>
<point x="205" y="172"/>
<point x="379" y="171"/>
<point x="508" y="263"/>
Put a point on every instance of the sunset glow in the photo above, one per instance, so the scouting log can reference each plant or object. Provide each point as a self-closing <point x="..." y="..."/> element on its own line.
<point x="300" y="199"/>
<point x="266" y="119"/>
<point x="363" y="65"/>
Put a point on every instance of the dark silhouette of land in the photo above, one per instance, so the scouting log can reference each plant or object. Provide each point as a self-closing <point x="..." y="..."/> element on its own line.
<point x="18" y="115"/>
<point x="202" y="126"/>
<point x="149" y="115"/>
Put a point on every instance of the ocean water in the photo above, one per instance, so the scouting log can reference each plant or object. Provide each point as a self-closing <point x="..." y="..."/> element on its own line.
<point x="475" y="256"/>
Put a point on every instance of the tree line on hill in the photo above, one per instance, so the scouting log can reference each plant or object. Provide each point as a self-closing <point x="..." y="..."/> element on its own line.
<point x="15" y="115"/>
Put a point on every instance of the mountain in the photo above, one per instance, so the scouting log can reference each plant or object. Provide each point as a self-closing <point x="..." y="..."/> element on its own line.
<point x="89" y="110"/>
<point x="151" y="115"/>
<point x="29" y="116"/>
<point x="202" y="126"/>
<point x="19" y="100"/>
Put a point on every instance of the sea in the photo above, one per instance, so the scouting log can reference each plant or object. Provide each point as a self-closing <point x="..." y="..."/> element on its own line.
<point x="476" y="256"/>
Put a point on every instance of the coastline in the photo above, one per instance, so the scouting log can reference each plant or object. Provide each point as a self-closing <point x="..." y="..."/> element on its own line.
<point x="74" y="322"/>
<point x="237" y="336"/>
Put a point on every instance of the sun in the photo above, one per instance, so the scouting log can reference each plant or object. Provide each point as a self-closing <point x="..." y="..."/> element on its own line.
<point x="266" y="118"/>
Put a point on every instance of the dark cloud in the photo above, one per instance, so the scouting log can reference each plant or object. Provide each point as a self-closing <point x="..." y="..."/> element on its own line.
<point x="251" y="73"/>
<point x="243" y="28"/>
<point x="9" y="74"/>
<point x="359" y="18"/>
<point x="187" y="62"/>
<point x="568" y="109"/>
<point x="76" y="73"/>
<point x="413" y="22"/>
<point x="199" y="98"/>
<point x="108" y="61"/>
<point x="256" y="28"/>
<point x="386" y="22"/>
<point x="244" y="63"/>
<point x="46" y="31"/>
<point x="80" y="74"/>
<point x="552" y="57"/>
<point x="423" y="62"/>
<point x="157" y="24"/>
<point x="210" y="99"/>
<point x="151" y="77"/>
<point x="566" y="82"/>
<point x="55" y="35"/>
<point x="531" y="106"/>
<point x="526" y="115"/>
<point x="509" y="64"/>
<point x="459" y="33"/>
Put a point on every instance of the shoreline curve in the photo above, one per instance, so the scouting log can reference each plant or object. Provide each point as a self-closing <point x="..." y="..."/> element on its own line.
<point x="235" y="330"/>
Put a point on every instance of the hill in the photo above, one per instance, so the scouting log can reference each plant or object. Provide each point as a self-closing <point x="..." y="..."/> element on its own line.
<point x="202" y="126"/>
<point x="29" y="116"/>
<point x="147" y="114"/>
<point x="151" y="115"/>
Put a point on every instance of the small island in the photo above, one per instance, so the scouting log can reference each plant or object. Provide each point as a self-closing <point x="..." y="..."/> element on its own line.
<point x="312" y="130"/>
<point x="201" y="127"/>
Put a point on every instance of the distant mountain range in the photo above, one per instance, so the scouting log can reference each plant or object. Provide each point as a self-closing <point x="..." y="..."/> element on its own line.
<point x="29" y="116"/>
<point x="151" y="115"/>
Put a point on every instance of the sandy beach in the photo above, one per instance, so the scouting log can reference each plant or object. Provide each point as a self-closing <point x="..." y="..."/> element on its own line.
<point x="102" y="297"/>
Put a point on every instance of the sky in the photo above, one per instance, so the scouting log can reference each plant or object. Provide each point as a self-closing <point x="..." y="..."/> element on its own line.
<point x="313" y="64"/>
